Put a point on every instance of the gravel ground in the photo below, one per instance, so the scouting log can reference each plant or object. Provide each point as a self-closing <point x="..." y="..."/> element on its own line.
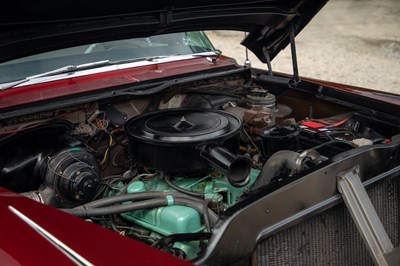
<point x="353" y="42"/>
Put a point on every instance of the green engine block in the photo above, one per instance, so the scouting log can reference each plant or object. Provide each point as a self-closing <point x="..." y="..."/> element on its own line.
<point x="169" y="220"/>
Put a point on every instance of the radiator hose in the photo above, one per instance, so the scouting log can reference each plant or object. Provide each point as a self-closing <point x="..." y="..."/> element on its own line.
<point x="281" y="160"/>
<point x="140" y="201"/>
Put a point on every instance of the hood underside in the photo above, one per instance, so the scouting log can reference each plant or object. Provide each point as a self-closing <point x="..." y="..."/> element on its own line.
<point x="31" y="27"/>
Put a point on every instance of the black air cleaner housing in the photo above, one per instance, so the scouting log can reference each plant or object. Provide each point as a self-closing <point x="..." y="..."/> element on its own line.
<point x="181" y="141"/>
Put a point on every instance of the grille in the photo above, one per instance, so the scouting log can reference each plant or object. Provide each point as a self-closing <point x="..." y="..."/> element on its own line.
<point x="331" y="238"/>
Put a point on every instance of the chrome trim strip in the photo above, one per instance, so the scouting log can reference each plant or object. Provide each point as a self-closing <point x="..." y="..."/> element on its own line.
<point x="74" y="256"/>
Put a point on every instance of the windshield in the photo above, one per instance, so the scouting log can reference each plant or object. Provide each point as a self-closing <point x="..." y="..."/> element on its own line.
<point x="160" y="45"/>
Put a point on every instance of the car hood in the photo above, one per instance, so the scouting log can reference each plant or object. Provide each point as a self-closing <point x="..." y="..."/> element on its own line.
<point x="31" y="27"/>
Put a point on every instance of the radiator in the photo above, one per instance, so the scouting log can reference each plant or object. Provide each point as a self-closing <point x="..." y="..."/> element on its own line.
<point x="331" y="238"/>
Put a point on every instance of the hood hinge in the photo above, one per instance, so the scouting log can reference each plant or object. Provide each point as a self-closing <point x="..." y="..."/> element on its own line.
<point x="290" y="82"/>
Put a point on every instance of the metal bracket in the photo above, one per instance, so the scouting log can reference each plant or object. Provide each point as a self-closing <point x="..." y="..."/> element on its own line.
<point x="366" y="219"/>
<point x="290" y="82"/>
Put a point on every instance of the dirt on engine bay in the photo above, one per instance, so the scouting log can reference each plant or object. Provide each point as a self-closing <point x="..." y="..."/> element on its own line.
<point x="354" y="42"/>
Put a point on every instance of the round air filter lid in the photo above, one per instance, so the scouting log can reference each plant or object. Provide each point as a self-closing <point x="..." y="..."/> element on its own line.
<point x="183" y="125"/>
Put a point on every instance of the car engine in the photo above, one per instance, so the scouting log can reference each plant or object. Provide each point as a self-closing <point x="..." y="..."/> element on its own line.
<point x="162" y="168"/>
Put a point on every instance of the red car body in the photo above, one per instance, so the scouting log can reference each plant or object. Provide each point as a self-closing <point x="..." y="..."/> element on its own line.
<point x="79" y="145"/>
<point x="22" y="244"/>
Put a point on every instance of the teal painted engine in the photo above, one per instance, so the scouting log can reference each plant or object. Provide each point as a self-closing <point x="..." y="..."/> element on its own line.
<point x="186" y="171"/>
<point x="179" y="227"/>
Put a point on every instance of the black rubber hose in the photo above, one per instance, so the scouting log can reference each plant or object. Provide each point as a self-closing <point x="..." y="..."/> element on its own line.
<point x="198" y="206"/>
<point x="276" y="163"/>
<point x="167" y="179"/>
<point x="133" y="197"/>
<point x="205" y="215"/>
<point x="171" y="239"/>
<point x="85" y="211"/>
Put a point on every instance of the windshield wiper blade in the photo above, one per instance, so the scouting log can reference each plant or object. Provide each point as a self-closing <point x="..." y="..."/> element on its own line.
<point x="61" y="70"/>
<point x="140" y="59"/>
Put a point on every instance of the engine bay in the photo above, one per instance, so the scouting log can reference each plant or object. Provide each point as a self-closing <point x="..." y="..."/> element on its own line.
<point x="162" y="168"/>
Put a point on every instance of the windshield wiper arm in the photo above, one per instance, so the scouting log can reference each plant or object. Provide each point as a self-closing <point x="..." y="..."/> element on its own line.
<point x="61" y="70"/>
<point x="72" y="68"/>
<point x="152" y="58"/>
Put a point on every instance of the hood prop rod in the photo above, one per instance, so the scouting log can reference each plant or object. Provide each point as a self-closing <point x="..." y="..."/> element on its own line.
<point x="296" y="77"/>
<point x="247" y="63"/>
<point x="290" y="82"/>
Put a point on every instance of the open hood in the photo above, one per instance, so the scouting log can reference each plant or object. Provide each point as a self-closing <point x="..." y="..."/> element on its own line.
<point x="34" y="27"/>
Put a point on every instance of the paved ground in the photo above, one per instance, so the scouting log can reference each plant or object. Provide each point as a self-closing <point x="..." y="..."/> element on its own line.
<point x="354" y="42"/>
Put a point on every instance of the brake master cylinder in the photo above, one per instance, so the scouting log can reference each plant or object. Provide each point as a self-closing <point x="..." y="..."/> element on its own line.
<point x="261" y="102"/>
